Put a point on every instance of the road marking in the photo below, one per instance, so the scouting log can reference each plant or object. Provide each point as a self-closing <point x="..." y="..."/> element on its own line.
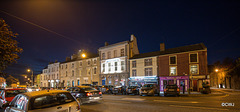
<point x="176" y="101"/>
<point x="198" y="107"/>
<point x="133" y="99"/>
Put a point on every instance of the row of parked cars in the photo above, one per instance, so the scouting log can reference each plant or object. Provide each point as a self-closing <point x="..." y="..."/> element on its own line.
<point x="31" y="99"/>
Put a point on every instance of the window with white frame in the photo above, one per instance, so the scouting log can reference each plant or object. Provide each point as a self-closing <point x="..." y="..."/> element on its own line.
<point x="109" y="55"/>
<point x="122" y="52"/>
<point x="122" y="65"/>
<point x="193" y="57"/>
<point x="148" y="71"/>
<point x="172" y="60"/>
<point x="194" y="69"/>
<point x="134" y="73"/>
<point x="173" y="70"/>
<point x="148" y="62"/>
<point x="103" y="68"/>
<point x="115" y="66"/>
<point x="115" y="53"/>
<point x="134" y="64"/>
<point x="109" y="67"/>
<point x="103" y="56"/>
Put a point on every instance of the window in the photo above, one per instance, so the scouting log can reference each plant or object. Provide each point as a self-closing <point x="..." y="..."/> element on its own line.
<point x="78" y="82"/>
<point x="66" y="73"/>
<point x="122" y="65"/>
<point x="148" y="71"/>
<point x="109" y="55"/>
<point x="57" y="76"/>
<point x="88" y="63"/>
<point x="134" y="64"/>
<point x="122" y="52"/>
<point x="115" y="53"/>
<point x="95" y="62"/>
<point x="116" y="66"/>
<point x="103" y="56"/>
<point x="72" y="65"/>
<point x="134" y="73"/>
<point x="89" y="71"/>
<point x="173" y="60"/>
<point x="73" y="73"/>
<point x="194" y="69"/>
<point x="173" y="70"/>
<point x="109" y="67"/>
<point x="193" y="57"/>
<point x="72" y="83"/>
<point x="66" y="66"/>
<point x="80" y="64"/>
<point x="148" y="62"/>
<point x="86" y="81"/>
<point x="95" y="70"/>
<point x="103" y="68"/>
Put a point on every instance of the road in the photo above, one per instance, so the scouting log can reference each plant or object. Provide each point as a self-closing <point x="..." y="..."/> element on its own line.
<point x="131" y="103"/>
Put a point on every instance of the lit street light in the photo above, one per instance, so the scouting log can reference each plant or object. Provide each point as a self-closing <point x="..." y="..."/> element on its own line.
<point x="29" y="70"/>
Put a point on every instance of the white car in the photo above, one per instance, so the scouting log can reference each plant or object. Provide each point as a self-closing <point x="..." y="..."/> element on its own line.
<point x="44" y="101"/>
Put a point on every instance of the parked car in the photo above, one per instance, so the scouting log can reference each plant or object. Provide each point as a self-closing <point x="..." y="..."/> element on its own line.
<point x="171" y="90"/>
<point x="98" y="87"/>
<point x="87" y="85"/>
<point x="107" y="89"/>
<point x="46" y="100"/>
<point x="85" y="94"/>
<point x="149" y="89"/>
<point x="8" y="94"/>
<point x="30" y="89"/>
<point x="119" y="89"/>
<point x="133" y="90"/>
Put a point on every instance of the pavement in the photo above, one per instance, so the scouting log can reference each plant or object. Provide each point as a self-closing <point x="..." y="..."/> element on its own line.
<point x="135" y="103"/>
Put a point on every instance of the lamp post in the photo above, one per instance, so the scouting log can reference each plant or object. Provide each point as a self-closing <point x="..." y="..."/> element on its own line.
<point x="216" y="70"/>
<point x="29" y="70"/>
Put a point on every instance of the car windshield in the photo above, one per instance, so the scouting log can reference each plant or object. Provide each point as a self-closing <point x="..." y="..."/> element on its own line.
<point x="51" y="100"/>
<point x="148" y="85"/>
<point x="12" y="93"/>
<point x="88" y="88"/>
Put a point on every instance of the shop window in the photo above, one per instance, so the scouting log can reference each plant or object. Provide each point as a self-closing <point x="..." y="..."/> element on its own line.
<point x="134" y="64"/>
<point x="173" y="70"/>
<point x="134" y="73"/>
<point x="173" y="60"/>
<point x="148" y="62"/>
<point x="193" y="58"/>
<point x="122" y="52"/>
<point x="194" y="69"/>
<point x="148" y="71"/>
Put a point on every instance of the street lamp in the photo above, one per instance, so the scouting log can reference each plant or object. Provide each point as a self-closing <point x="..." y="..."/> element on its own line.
<point x="216" y="70"/>
<point x="83" y="55"/>
<point x="29" y="70"/>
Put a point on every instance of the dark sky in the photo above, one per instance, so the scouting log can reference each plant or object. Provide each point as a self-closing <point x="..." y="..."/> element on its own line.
<point x="88" y="24"/>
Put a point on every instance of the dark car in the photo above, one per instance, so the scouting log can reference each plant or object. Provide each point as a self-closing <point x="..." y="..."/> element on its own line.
<point x="171" y="90"/>
<point x="107" y="89"/>
<point x="85" y="94"/>
<point x="149" y="89"/>
<point x="133" y="90"/>
<point x="119" y="89"/>
<point x="87" y="85"/>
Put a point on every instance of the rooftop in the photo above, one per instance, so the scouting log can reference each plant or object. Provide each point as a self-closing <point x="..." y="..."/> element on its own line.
<point x="119" y="43"/>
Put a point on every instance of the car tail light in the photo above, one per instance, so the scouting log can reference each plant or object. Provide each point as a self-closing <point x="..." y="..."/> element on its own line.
<point x="165" y="90"/>
<point x="177" y="89"/>
<point x="89" y="94"/>
<point x="100" y="93"/>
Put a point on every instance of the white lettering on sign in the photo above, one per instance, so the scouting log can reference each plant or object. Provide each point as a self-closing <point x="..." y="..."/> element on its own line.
<point x="228" y="104"/>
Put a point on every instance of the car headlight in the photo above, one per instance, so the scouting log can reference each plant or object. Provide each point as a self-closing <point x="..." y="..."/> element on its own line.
<point x="29" y="90"/>
<point x="37" y="89"/>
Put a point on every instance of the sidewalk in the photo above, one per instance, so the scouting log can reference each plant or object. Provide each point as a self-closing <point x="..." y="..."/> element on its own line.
<point x="200" y="94"/>
<point x="223" y="89"/>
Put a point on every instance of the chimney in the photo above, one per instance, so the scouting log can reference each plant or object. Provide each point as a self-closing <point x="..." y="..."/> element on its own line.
<point x="68" y="58"/>
<point x="162" y="47"/>
<point x="106" y="43"/>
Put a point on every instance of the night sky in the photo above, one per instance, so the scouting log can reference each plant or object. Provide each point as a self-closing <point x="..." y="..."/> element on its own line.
<point x="67" y="26"/>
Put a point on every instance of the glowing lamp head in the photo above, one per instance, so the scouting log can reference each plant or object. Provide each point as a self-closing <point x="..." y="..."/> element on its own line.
<point x="83" y="55"/>
<point x="28" y="70"/>
<point x="216" y="70"/>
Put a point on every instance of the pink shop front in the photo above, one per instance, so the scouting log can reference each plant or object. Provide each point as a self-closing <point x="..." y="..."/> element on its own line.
<point x="181" y="81"/>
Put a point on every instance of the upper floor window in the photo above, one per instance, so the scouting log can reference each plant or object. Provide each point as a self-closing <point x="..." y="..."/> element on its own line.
<point x="95" y="70"/>
<point x="94" y="61"/>
<point x="103" y="56"/>
<point x="173" y="70"/>
<point x="80" y="63"/>
<point x="194" y="69"/>
<point x="194" y="57"/>
<point x="88" y="62"/>
<point x="122" y="52"/>
<point x="115" y="53"/>
<point x="148" y="71"/>
<point x="172" y="60"/>
<point x="72" y="65"/>
<point x="66" y="73"/>
<point x="122" y="65"/>
<point x="109" y="55"/>
<point x="73" y="73"/>
<point x="134" y="73"/>
<point x="66" y="66"/>
<point x="134" y="64"/>
<point x="148" y="62"/>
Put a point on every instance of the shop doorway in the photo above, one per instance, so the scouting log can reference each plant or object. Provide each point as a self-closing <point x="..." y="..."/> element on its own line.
<point x="194" y="85"/>
<point x="182" y="84"/>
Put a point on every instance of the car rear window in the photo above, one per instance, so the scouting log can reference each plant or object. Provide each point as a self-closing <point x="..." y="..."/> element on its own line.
<point x="13" y="93"/>
<point x="148" y="85"/>
<point x="171" y="86"/>
<point x="51" y="100"/>
<point x="132" y="87"/>
<point x="88" y="88"/>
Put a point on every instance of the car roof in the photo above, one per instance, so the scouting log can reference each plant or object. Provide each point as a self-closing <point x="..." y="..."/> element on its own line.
<point x="84" y="86"/>
<point x="43" y="92"/>
<point x="14" y="89"/>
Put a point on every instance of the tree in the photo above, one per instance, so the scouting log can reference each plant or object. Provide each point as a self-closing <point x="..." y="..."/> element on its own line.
<point x="9" y="49"/>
